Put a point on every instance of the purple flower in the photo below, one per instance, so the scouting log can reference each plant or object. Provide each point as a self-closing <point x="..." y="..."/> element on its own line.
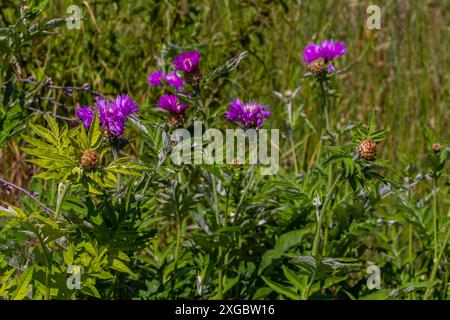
<point x="171" y="103"/>
<point x="154" y="79"/>
<point x="328" y="50"/>
<point x="331" y="68"/>
<point x="248" y="114"/>
<point x="331" y="49"/>
<point x="312" y="52"/>
<point x="86" y="115"/>
<point x="171" y="78"/>
<point x="112" y="115"/>
<point x="187" y="61"/>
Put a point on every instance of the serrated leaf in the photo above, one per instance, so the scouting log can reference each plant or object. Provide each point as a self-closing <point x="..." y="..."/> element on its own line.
<point x="121" y="267"/>
<point x="22" y="285"/>
<point x="95" y="133"/>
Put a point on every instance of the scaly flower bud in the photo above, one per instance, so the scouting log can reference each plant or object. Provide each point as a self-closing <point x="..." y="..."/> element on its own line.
<point x="367" y="149"/>
<point x="436" y="147"/>
<point x="89" y="159"/>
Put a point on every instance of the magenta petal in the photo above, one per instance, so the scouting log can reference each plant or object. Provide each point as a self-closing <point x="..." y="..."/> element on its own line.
<point x="86" y="114"/>
<point x="187" y="61"/>
<point x="331" y="68"/>
<point x="170" y="102"/>
<point x="248" y="114"/>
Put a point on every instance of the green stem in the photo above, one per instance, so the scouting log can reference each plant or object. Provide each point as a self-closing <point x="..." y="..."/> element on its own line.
<point x="435" y="221"/>
<point x="244" y="194"/>
<point x="220" y="279"/>
<point x="294" y="154"/>
<point x="436" y="264"/>
<point x="215" y="199"/>
<point x="63" y="188"/>
<point x="178" y="243"/>
<point x="325" y="106"/>
<point x="230" y="185"/>
<point x="328" y="197"/>
<point x="48" y="261"/>
<point x="328" y="217"/>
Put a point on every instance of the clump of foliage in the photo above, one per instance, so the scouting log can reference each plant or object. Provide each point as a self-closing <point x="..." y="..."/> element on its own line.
<point x="106" y="214"/>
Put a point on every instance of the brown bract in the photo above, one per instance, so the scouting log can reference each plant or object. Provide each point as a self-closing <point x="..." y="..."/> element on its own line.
<point x="89" y="159"/>
<point x="367" y="149"/>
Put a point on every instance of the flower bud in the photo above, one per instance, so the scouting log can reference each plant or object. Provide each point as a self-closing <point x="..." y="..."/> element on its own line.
<point x="177" y="119"/>
<point x="317" y="67"/>
<point x="89" y="159"/>
<point x="193" y="77"/>
<point x="367" y="149"/>
<point x="436" y="147"/>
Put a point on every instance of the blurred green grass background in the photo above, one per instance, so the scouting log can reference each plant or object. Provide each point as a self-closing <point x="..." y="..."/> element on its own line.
<point x="402" y="69"/>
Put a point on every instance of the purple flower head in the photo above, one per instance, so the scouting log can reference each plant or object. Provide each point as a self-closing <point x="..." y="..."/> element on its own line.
<point x="331" y="68"/>
<point x="187" y="61"/>
<point x="86" y="115"/>
<point x="328" y="50"/>
<point x="171" y="103"/>
<point x="174" y="80"/>
<point x="312" y="52"/>
<point x="154" y="79"/>
<point x="248" y="114"/>
<point x="171" y="78"/>
<point x="331" y="49"/>
<point x="112" y="115"/>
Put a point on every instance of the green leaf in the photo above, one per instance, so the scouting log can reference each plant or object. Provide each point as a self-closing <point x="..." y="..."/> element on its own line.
<point x="95" y="133"/>
<point x="299" y="282"/>
<point x="284" y="243"/>
<point x="121" y="267"/>
<point x="281" y="289"/>
<point x="229" y="66"/>
<point x="22" y="285"/>
<point x="53" y="125"/>
<point x="69" y="255"/>
<point x="44" y="133"/>
<point x="123" y="256"/>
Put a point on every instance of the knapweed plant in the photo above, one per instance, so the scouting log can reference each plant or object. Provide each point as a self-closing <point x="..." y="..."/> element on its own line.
<point x="153" y="183"/>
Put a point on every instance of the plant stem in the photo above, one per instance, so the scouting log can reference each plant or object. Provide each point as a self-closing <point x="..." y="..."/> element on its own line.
<point x="178" y="243"/>
<point x="294" y="154"/>
<point x="325" y="106"/>
<point x="244" y="194"/>
<point x="328" y="197"/>
<point x="28" y="193"/>
<point x="220" y="279"/>
<point x="436" y="264"/>
<point x="48" y="260"/>
<point x="328" y="217"/>
<point x="215" y="199"/>
<point x="435" y="220"/>
<point x="63" y="188"/>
